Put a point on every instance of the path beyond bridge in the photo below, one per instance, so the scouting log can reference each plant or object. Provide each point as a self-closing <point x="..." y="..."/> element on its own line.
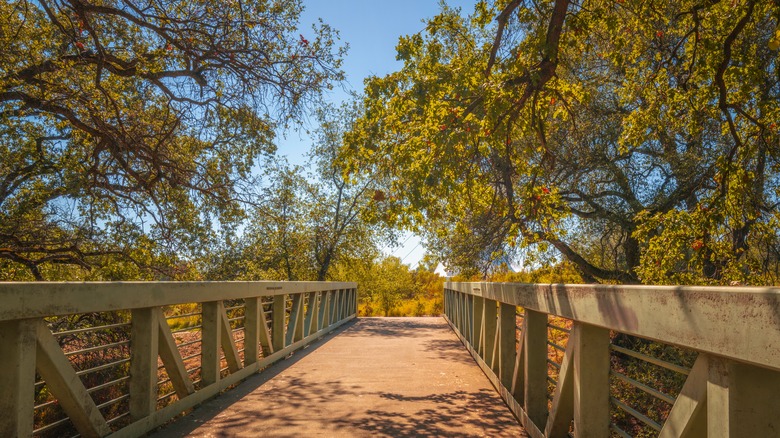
<point x="398" y="377"/>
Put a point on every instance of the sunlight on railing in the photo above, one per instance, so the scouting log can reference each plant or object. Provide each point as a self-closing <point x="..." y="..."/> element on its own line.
<point x="626" y="361"/>
<point x="120" y="359"/>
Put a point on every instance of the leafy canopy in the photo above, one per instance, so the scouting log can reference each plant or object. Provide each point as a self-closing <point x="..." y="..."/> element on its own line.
<point x="120" y="119"/>
<point x="639" y="140"/>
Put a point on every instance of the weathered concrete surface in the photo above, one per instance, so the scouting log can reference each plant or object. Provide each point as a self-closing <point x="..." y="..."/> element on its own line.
<point x="397" y="377"/>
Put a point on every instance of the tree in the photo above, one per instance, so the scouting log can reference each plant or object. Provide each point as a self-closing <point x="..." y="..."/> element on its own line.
<point x="301" y="226"/>
<point x="120" y="120"/>
<point x="388" y="284"/>
<point x="638" y="141"/>
<point x="341" y="200"/>
<point x="275" y="242"/>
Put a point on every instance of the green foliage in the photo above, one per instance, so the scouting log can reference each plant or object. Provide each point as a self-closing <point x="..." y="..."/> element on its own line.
<point x="388" y="287"/>
<point x="121" y="125"/>
<point x="304" y="225"/>
<point x="617" y="134"/>
<point x="560" y="273"/>
<point x="388" y="284"/>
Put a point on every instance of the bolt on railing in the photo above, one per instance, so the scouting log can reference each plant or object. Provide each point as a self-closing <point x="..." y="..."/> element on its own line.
<point x="120" y="359"/>
<point x="601" y="361"/>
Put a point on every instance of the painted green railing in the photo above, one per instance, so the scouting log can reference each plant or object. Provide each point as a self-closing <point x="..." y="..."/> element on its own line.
<point x="120" y="359"/>
<point x="600" y="361"/>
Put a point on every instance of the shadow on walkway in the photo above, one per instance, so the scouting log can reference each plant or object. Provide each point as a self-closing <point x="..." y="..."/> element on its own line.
<point x="395" y="377"/>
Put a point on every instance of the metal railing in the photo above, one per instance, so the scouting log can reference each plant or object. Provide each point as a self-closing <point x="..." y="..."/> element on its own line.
<point x="120" y="359"/>
<point x="626" y="361"/>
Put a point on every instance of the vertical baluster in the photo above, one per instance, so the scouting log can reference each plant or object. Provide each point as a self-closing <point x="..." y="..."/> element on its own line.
<point x="478" y="304"/>
<point x="278" y="320"/>
<point x="455" y="307"/>
<point x="742" y="400"/>
<point x="332" y="307"/>
<point x="461" y="311"/>
<point x="144" y="333"/>
<point x="296" y="320"/>
<point x="324" y="319"/>
<point x="469" y="322"/>
<point x="211" y="334"/>
<point x="518" y="378"/>
<point x="506" y="347"/>
<point x="337" y="305"/>
<point x="310" y="322"/>
<point x="451" y="309"/>
<point x="591" y="381"/>
<point x="464" y="300"/>
<point x="345" y="303"/>
<point x="252" y="311"/>
<point x="535" y="378"/>
<point x="489" y="320"/>
<point x="17" y="350"/>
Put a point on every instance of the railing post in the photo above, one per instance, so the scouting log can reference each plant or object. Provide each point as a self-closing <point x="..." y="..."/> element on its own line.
<point x="17" y="379"/>
<point x="458" y="304"/>
<point x="464" y="316"/>
<point x="344" y="303"/>
<point x="469" y="329"/>
<point x="252" y="310"/>
<point x="454" y="308"/>
<point x="324" y="319"/>
<point x="489" y="321"/>
<point x="210" y="342"/>
<point x="310" y="322"/>
<point x="453" y="305"/>
<point x="278" y="319"/>
<point x="741" y="400"/>
<point x="459" y="317"/>
<point x="295" y="318"/>
<point x="300" y="320"/>
<point x="333" y="306"/>
<point x="478" y="304"/>
<point x="591" y="381"/>
<point x="144" y="342"/>
<point x="506" y="348"/>
<point x="340" y="305"/>
<point x="451" y="310"/>
<point x="535" y="379"/>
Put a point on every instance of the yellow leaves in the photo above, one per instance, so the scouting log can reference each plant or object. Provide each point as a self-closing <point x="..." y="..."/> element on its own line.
<point x="408" y="47"/>
<point x="483" y="14"/>
<point x="774" y="42"/>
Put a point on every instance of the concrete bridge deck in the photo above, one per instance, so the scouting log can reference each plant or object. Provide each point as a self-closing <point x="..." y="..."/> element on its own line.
<point x="397" y="377"/>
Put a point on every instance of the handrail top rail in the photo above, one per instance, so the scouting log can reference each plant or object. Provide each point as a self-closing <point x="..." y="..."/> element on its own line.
<point x="462" y="286"/>
<point x="22" y="300"/>
<point x="741" y="323"/>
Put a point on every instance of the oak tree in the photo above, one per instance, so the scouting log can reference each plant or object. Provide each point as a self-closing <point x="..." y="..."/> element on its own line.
<point x="122" y="120"/>
<point x="637" y="140"/>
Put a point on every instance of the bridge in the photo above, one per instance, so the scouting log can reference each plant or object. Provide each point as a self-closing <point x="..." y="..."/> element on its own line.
<point x="291" y="358"/>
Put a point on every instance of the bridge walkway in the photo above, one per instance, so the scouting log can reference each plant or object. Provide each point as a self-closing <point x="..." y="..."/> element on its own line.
<point x="396" y="377"/>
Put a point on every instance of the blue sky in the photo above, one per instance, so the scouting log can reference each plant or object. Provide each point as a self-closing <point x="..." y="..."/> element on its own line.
<point x="371" y="28"/>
